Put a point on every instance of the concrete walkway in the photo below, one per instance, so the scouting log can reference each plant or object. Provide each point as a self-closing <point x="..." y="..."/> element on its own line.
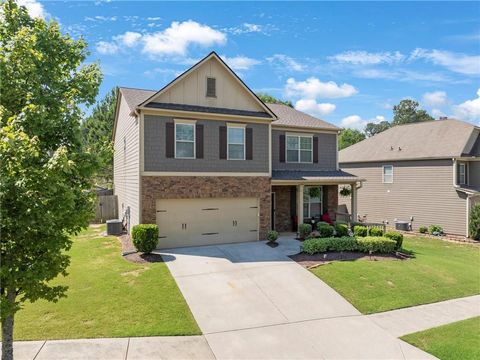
<point x="418" y="318"/>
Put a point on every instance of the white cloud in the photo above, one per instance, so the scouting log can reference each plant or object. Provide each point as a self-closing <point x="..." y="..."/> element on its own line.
<point x="285" y="61"/>
<point x="366" y="58"/>
<point x="155" y="18"/>
<point x="313" y="88"/>
<point x="401" y="75"/>
<point x="457" y="62"/>
<point x="129" y="39"/>
<point x="437" y="113"/>
<point x="246" y="28"/>
<point x="34" y="8"/>
<point x="106" y="48"/>
<point x="356" y="122"/>
<point x="240" y="62"/>
<point x="310" y="106"/>
<point x="176" y="39"/>
<point x="469" y="110"/>
<point x="435" y="98"/>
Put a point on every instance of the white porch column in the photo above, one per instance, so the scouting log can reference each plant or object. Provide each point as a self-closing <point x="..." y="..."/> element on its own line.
<point x="300" y="203"/>
<point x="354" y="202"/>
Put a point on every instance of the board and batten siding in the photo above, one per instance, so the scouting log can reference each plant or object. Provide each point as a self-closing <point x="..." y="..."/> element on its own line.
<point x="422" y="189"/>
<point x="126" y="163"/>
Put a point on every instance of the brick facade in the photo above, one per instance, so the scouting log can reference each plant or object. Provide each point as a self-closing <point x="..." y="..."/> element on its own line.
<point x="283" y="217"/>
<point x="190" y="187"/>
<point x="332" y="200"/>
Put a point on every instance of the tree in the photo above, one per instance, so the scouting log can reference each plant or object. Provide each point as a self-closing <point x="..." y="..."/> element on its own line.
<point x="97" y="132"/>
<point x="266" y="98"/>
<point x="407" y="112"/>
<point x="349" y="137"/>
<point x="474" y="229"/>
<point x="45" y="183"/>
<point x="373" y="129"/>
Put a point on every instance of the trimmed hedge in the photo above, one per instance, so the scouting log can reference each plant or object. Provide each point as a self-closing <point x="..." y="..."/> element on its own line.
<point x="395" y="236"/>
<point x="375" y="231"/>
<point x="341" y="229"/>
<point x="304" y="230"/>
<point x="365" y="244"/>
<point x="325" y="231"/>
<point x="272" y="235"/>
<point x="145" y="237"/>
<point x="360" y="231"/>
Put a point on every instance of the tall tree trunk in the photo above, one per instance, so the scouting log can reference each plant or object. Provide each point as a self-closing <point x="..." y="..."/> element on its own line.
<point x="7" y="330"/>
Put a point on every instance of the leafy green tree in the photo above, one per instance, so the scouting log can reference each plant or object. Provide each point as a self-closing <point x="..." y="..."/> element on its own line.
<point x="349" y="137"/>
<point x="266" y="98"/>
<point x="97" y="132"/>
<point x="475" y="222"/>
<point x="45" y="177"/>
<point x="373" y="129"/>
<point x="407" y="112"/>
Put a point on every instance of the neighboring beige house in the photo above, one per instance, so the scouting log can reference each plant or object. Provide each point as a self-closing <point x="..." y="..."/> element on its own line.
<point x="209" y="162"/>
<point x="429" y="171"/>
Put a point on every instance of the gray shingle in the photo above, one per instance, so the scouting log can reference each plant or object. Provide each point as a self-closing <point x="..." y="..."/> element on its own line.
<point x="301" y="175"/>
<point x="207" y="109"/>
<point x="290" y="117"/>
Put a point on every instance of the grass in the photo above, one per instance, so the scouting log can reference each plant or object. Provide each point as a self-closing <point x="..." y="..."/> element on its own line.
<point x="440" y="270"/>
<point x="108" y="297"/>
<point x="459" y="340"/>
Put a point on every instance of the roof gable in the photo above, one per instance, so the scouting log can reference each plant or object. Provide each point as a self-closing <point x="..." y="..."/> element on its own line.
<point x="190" y="89"/>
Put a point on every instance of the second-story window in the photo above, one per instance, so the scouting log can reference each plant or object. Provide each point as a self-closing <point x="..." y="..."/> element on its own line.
<point x="388" y="174"/>
<point x="299" y="148"/>
<point x="184" y="141"/>
<point x="236" y="142"/>
<point x="462" y="178"/>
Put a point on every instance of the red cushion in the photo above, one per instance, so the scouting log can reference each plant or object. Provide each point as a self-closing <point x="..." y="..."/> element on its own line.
<point x="326" y="218"/>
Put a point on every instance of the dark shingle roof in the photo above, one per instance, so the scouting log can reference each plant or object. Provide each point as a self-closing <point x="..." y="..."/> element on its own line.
<point x="306" y="174"/>
<point x="134" y="97"/>
<point x="207" y="109"/>
<point x="290" y="117"/>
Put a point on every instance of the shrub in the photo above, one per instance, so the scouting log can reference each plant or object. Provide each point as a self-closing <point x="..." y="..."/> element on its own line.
<point x="304" y="230"/>
<point x="145" y="237"/>
<point x="354" y="224"/>
<point x="272" y="236"/>
<point x="360" y="231"/>
<point x="325" y="231"/>
<point x="341" y="229"/>
<point x="376" y="244"/>
<point x="435" y="229"/>
<point x="474" y="227"/>
<point x="315" y="246"/>
<point x="423" y="229"/>
<point x="343" y="244"/>
<point x="376" y="231"/>
<point x="395" y="236"/>
<point x="320" y="223"/>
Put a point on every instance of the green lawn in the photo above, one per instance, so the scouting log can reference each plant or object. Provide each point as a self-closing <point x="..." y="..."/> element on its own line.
<point x="459" y="340"/>
<point x="440" y="270"/>
<point x="108" y="297"/>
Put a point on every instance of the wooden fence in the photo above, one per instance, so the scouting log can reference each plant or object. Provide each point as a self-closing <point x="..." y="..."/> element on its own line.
<point x="106" y="208"/>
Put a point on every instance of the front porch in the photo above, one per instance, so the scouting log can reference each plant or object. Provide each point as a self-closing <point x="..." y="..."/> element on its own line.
<point x="300" y="197"/>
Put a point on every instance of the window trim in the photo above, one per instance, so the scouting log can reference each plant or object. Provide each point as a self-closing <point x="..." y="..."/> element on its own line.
<point x="299" y="150"/>
<point x="464" y="165"/>
<point x="307" y="216"/>
<point x="206" y="87"/>
<point x="191" y="123"/>
<point x="237" y="126"/>
<point x="383" y="174"/>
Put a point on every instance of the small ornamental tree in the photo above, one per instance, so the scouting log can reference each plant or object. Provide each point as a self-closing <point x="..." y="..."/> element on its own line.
<point x="475" y="222"/>
<point x="45" y="177"/>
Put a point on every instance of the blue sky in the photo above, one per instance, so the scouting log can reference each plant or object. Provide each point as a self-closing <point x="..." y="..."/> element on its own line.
<point x="344" y="62"/>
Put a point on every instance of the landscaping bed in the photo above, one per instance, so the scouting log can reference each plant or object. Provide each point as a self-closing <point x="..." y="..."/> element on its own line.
<point x="131" y="254"/>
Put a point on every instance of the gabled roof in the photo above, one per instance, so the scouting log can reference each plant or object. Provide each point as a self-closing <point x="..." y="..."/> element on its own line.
<point x="290" y="117"/>
<point x="133" y="97"/>
<point x="439" y="139"/>
<point x="214" y="55"/>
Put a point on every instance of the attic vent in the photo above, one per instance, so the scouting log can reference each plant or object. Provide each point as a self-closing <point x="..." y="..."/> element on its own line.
<point x="211" y="87"/>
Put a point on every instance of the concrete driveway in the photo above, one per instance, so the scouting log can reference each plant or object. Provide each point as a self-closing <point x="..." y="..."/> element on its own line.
<point x="254" y="302"/>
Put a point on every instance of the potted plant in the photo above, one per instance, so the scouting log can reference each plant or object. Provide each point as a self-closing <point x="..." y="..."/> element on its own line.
<point x="272" y="237"/>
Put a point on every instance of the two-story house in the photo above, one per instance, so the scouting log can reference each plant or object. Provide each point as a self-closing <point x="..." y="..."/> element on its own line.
<point x="209" y="162"/>
<point x="427" y="171"/>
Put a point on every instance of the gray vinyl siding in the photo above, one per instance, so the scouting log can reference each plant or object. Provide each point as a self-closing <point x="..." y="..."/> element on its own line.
<point x="327" y="153"/>
<point x="422" y="189"/>
<point x="154" y="149"/>
<point x="474" y="173"/>
<point x="126" y="163"/>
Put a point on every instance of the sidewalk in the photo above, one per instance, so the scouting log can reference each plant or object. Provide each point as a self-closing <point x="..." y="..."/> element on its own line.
<point x="418" y="318"/>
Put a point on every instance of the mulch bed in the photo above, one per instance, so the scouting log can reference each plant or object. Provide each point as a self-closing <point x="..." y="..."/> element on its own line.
<point x="311" y="261"/>
<point x="136" y="257"/>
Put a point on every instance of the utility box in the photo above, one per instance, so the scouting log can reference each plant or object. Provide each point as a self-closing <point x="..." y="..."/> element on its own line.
<point x="402" y="225"/>
<point x="114" y="227"/>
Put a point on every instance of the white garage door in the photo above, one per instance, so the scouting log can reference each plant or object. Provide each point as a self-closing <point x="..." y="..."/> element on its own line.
<point x="195" y="222"/>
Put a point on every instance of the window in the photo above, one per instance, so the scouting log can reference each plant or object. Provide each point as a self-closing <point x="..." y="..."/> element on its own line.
<point x="211" y="87"/>
<point x="184" y="141"/>
<point x="462" y="178"/>
<point x="299" y="148"/>
<point x="388" y="174"/>
<point x="312" y="201"/>
<point x="236" y="142"/>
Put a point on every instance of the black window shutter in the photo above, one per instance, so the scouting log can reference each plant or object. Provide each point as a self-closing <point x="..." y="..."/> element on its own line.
<point x="315" y="149"/>
<point x="282" y="148"/>
<point x="199" y="141"/>
<point x="249" y="143"/>
<point x="170" y="140"/>
<point x="325" y="199"/>
<point x="223" y="142"/>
